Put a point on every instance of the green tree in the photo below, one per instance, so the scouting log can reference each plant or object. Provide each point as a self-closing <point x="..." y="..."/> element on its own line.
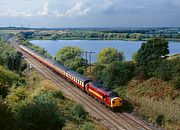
<point x="7" y="78"/>
<point x="149" y="55"/>
<point x="70" y="57"/>
<point x="117" y="73"/>
<point x="108" y="55"/>
<point x="13" y="62"/>
<point x="97" y="72"/>
<point x="7" y="119"/>
<point x="40" y="114"/>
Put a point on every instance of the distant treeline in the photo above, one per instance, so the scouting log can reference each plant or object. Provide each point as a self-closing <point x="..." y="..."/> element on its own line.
<point x="123" y="34"/>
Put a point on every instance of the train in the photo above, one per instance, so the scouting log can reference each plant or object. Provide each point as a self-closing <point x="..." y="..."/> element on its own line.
<point x="105" y="96"/>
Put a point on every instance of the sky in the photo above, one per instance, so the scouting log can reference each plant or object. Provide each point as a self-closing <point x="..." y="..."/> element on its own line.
<point x="90" y="13"/>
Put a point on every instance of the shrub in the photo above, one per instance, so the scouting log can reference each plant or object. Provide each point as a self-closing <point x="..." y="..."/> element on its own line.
<point x="87" y="126"/>
<point x="7" y="119"/>
<point x="160" y="119"/>
<point x="40" y="114"/>
<point x="117" y="73"/>
<point x="79" y="112"/>
<point x="7" y="78"/>
<point x="80" y="70"/>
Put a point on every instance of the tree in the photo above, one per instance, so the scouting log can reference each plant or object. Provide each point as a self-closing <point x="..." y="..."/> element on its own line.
<point x="13" y="62"/>
<point x="40" y="114"/>
<point x="7" y="78"/>
<point x="117" y="73"/>
<point x="7" y="119"/>
<point x="108" y="55"/>
<point x="97" y="72"/>
<point x="150" y="53"/>
<point x="70" y="57"/>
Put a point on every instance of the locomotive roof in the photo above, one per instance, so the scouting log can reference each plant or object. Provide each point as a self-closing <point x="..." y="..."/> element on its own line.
<point x="80" y="77"/>
<point x="103" y="89"/>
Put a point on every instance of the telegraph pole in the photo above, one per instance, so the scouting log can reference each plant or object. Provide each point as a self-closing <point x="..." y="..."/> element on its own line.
<point x="90" y="57"/>
<point x="90" y="53"/>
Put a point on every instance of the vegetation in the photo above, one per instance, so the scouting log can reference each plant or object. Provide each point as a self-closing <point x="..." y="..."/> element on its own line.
<point x="71" y="57"/>
<point x="108" y="55"/>
<point x="38" y="104"/>
<point x="104" y="34"/>
<point x="150" y="55"/>
<point x="11" y="59"/>
<point x="156" y="101"/>
<point x="29" y="101"/>
<point x="150" y="83"/>
<point x="22" y="38"/>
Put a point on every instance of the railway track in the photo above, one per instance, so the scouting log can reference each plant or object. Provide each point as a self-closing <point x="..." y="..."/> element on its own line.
<point x="117" y="121"/>
<point x="114" y="121"/>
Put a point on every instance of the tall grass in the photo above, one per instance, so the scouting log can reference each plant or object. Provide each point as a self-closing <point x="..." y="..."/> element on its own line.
<point x="154" y="98"/>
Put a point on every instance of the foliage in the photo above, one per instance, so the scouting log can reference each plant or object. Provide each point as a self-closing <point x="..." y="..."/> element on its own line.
<point x="15" y="96"/>
<point x="79" y="112"/>
<point x="105" y="34"/>
<point x="13" y="62"/>
<point x="80" y="70"/>
<point x="7" y="119"/>
<point x="97" y="72"/>
<point x="87" y="126"/>
<point x="11" y="59"/>
<point x="40" y="114"/>
<point x="5" y="50"/>
<point x="169" y="70"/>
<point x="108" y="55"/>
<point x="117" y="73"/>
<point x="160" y="119"/>
<point x="155" y="97"/>
<point x="7" y="78"/>
<point x="150" y="54"/>
<point x="70" y="57"/>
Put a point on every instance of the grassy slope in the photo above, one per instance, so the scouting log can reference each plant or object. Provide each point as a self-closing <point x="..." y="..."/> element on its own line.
<point x="153" y="98"/>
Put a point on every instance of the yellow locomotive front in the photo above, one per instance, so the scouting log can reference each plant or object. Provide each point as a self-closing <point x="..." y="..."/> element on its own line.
<point x="116" y="101"/>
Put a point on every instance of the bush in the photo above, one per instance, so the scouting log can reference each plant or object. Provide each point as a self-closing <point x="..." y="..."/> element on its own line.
<point x="15" y="96"/>
<point x="87" y="126"/>
<point x="79" y="112"/>
<point x="7" y="78"/>
<point x="7" y="119"/>
<point x="40" y="114"/>
<point x="117" y="74"/>
<point x="160" y="119"/>
<point x="80" y="70"/>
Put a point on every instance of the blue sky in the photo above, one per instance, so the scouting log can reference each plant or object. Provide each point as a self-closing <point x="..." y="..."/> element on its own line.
<point x="90" y="13"/>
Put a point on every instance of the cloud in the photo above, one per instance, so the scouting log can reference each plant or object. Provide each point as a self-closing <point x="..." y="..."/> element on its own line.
<point x="15" y="13"/>
<point x="78" y="9"/>
<point x="45" y="10"/>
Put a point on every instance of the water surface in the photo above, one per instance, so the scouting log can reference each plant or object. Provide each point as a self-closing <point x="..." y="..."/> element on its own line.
<point x="128" y="47"/>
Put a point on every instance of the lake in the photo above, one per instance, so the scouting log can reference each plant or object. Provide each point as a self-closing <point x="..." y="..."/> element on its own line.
<point x="128" y="47"/>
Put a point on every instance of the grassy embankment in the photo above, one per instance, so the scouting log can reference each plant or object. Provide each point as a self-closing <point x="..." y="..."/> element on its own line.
<point x="22" y="96"/>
